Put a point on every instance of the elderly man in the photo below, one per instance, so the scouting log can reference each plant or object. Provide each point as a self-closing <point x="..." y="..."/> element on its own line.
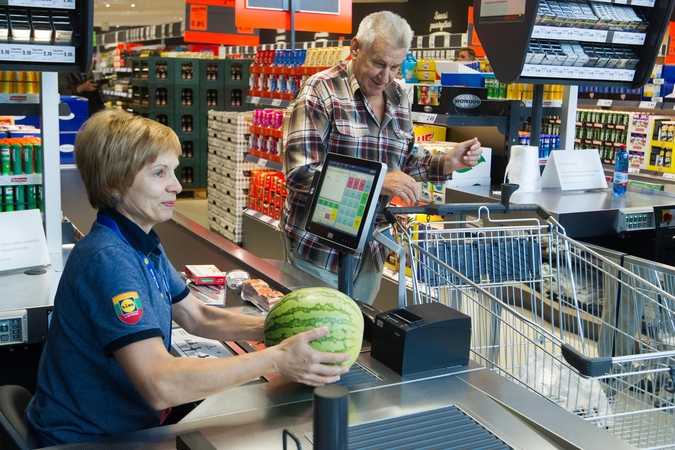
<point x="355" y="108"/>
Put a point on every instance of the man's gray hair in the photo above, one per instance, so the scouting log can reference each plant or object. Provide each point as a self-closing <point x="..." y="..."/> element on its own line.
<point x="387" y="25"/>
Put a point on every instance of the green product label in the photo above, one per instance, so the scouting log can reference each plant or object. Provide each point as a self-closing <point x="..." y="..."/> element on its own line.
<point x="4" y="160"/>
<point x="19" y="193"/>
<point x="27" y="158"/>
<point x="38" y="158"/>
<point x="30" y="196"/>
<point x="15" y="153"/>
<point x="9" y="198"/>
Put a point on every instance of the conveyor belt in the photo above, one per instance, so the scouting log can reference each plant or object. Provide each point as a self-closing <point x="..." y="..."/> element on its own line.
<point x="446" y="428"/>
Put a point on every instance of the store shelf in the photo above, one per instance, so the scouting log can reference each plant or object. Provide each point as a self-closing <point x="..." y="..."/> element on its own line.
<point x="274" y="223"/>
<point x="26" y="105"/>
<point x="264" y="162"/>
<point x="54" y="4"/>
<point x="587" y="35"/>
<point x="21" y="179"/>
<point x="266" y="101"/>
<point x="115" y="70"/>
<point x="577" y="73"/>
<point x="111" y="93"/>
<point x="514" y="60"/>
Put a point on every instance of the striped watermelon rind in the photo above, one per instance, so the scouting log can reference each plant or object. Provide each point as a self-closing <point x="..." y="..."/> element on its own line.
<point x="310" y="308"/>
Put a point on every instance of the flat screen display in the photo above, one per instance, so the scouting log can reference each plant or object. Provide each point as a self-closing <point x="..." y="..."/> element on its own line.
<point x="345" y="201"/>
<point x="501" y="8"/>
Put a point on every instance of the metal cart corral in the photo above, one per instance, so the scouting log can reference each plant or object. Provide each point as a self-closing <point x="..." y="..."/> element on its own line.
<point x="551" y="314"/>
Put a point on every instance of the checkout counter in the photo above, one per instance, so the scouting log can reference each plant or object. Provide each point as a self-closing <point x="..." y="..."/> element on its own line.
<point x="432" y="409"/>
<point x="640" y="223"/>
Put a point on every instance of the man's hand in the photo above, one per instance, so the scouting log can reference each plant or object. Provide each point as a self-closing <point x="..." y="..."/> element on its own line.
<point x="87" y="86"/>
<point x="465" y="154"/>
<point x="400" y="185"/>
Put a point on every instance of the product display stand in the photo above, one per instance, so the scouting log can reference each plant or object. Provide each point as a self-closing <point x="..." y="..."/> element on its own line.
<point x="49" y="101"/>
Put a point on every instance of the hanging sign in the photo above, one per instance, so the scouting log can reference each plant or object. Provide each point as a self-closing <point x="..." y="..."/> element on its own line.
<point x="331" y="16"/>
<point x="213" y="22"/>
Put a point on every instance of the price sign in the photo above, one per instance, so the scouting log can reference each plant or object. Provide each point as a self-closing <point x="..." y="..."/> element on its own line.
<point x="669" y="175"/>
<point x="262" y="162"/>
<point x="276" y="102"/>
<point x="538" y="32"/>
<point x="633" y="170"/>
<point x="604" y="102"/>
<point x="198" y="17"/>
<point x="647" y="105"/>
<point x="424" y="117"/>
<point x="659" y="81"/>
<point x="255" y="100"/>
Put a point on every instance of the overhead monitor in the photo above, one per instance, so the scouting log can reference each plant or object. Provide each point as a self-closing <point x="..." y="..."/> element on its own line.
<point x="502" y="9"/>
<point x="344" y="201"/>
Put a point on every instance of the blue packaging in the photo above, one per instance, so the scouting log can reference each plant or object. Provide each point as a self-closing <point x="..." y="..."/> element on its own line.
<point x="27" y="120"/>
<point x="462" y="79"/>
<point x="668" y="73"/>
<point x="79" y="113"/>
<point x="66" y="145"/>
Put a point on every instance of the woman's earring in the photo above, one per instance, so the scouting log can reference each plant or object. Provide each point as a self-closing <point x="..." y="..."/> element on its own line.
<point x="117" y="199"/>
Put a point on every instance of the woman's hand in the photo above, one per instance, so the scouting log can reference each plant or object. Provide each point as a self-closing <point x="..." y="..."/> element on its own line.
<point x="301" y="363"/>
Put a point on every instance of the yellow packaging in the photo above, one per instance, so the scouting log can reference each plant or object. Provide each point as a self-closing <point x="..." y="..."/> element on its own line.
<point x="426" y="76"/>
<point x="425" y="133"/>
<point x="310" y="60"/>
<point x="426" y="64"/>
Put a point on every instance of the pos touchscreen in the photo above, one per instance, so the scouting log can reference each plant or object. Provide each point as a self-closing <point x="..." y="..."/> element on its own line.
<point x="344" y="201"/>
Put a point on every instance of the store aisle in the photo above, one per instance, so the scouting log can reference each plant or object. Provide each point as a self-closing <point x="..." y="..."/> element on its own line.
<point x="76" y="208"/>
<point x="194" y="209"/>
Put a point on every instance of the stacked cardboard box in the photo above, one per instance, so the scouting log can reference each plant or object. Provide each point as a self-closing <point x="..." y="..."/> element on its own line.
<point x="228" y="175"/>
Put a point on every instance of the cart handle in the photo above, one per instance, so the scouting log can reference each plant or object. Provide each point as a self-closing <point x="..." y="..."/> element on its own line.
<point x="590" y="367"/>
<point x="451" y="209"/>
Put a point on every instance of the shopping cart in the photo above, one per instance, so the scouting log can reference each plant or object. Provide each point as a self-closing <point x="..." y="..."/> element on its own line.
<point x="548" y="312"/>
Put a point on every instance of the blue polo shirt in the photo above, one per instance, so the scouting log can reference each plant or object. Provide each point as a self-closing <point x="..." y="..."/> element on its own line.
<point x="108" y="297"/>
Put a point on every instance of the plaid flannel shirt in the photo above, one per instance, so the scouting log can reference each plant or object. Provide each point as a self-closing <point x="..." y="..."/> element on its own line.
<point x="330" y="114"/>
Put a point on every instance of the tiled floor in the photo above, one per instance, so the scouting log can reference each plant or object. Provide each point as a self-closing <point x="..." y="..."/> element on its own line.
<point x="193" y="209"/>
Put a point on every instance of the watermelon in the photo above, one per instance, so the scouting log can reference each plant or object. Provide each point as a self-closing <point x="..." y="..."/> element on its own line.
<point x="314" y="307"/>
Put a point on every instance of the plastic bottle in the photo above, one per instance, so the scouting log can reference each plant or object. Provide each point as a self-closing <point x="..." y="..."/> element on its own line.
<point x="621" y="171"/>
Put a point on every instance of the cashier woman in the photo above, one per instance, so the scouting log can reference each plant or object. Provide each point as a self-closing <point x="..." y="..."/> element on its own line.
<point x="106" y="367"/>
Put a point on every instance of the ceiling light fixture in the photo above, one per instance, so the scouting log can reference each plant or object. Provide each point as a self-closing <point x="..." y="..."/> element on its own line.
<point x="133" y="5"/>
<point x="107" y="5"/>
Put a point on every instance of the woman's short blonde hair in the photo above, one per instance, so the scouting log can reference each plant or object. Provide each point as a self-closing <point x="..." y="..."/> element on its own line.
<point x="113" y="146"/>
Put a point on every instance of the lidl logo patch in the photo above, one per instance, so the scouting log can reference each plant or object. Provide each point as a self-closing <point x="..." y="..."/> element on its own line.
<point x="128" y="307"/>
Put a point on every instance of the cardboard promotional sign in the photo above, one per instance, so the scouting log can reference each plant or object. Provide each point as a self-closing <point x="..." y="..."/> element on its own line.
<point x="574" y="170"/>
<point x="22" y="241"/>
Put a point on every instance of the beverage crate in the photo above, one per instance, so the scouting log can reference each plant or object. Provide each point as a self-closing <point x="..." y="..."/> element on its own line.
<point x="187" y="125"/>
<point x="161" y="97"/>
<point x="160" y="70"/>
<point x="165" y="117"/>
<point x="237" y="72"/>
<point x="211" y="97"/>
<point x="189" y="174"/>
<point x="235" y="98"/>
<point x="186" y="71"/>
<point x="186" y="98"/>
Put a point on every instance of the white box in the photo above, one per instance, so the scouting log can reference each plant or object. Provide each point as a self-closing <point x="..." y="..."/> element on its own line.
<point x="482" y="170"/>
<point x="464" y="182"/>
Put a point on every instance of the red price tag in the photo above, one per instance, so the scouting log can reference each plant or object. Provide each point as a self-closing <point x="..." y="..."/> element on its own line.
<point x="198" y="17"/>
<point x="244" y="30"/>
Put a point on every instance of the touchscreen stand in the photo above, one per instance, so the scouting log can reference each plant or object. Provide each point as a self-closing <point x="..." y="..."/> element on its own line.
<point x="342" y="205"/>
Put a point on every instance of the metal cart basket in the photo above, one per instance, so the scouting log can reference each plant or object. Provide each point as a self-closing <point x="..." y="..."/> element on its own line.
<point x="549" y="313"/>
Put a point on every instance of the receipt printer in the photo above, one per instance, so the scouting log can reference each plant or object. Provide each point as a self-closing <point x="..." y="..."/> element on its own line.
<point x="419" y="338"/>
